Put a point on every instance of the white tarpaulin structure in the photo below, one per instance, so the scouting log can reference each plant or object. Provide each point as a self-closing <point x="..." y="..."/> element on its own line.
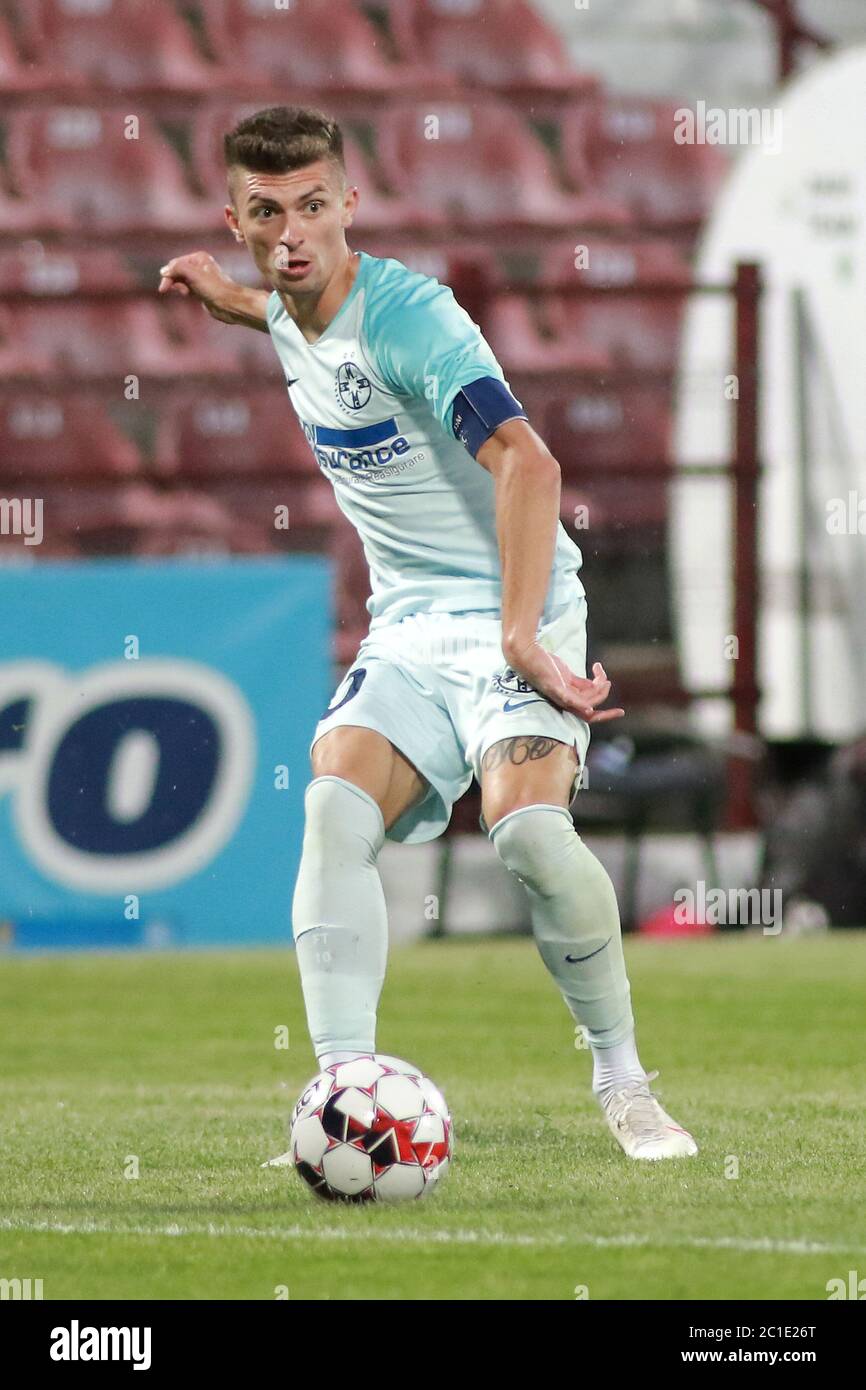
<point x="798" y="208"/>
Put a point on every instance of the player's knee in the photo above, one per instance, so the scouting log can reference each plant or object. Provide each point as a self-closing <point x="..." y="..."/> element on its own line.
<point x="535" y="842"/>
<point x="341" y="820"/>
<point x="540" y="844"/>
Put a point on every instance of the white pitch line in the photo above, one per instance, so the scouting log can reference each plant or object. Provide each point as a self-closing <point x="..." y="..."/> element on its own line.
<point x="761" y="1244"/>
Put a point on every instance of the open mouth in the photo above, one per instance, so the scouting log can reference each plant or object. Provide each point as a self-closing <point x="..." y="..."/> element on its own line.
<point x="297" y="266"/>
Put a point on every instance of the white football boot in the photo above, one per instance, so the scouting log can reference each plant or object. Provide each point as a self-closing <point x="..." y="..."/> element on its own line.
<point x="642" y="1127"/>
<point x="281" y="1161"/>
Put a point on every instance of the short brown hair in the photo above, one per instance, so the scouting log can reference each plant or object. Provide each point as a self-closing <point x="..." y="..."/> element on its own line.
<point x="281" y="138"/>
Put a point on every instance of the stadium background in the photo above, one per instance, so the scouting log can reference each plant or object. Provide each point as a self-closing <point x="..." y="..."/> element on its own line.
<point x="165" y="647"/>
<point x="525" y="155"/>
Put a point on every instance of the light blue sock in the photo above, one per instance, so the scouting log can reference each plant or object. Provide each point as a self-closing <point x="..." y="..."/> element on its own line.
<point x="575" y="922"/>
<point x="339" y="916"/>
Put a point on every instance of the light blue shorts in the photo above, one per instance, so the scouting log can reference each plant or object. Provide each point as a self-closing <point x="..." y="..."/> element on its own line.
<point x="437" y="685"/>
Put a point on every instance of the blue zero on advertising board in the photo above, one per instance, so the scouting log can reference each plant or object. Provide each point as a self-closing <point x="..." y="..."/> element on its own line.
<point x="155" y="720"/>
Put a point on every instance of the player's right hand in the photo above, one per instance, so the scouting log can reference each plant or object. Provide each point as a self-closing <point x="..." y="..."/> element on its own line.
<point x="199" y="275"/>
<point x="553" y="678"/>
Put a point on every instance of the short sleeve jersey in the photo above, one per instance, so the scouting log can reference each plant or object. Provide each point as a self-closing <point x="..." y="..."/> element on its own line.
<point x="374" y="395"/>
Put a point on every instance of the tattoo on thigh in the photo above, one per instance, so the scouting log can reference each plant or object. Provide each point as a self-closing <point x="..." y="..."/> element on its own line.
<point x="524" y="748"/>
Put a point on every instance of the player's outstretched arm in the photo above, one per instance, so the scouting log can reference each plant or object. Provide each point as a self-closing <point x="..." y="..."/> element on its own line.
<point x="199" y="274"/>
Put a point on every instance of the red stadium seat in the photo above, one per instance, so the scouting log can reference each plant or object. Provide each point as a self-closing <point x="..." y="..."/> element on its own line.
<point x="17" y="214"/>
<point x="39" y="270"/>
<point x="53" y="546"/>
<point x="193" y="523"/>
<point x="203" y="434"/>
<point x="595" y="259"/>
<point x="595" y="425"/>
<point x="193" y="538"/>
<point x="101" y="338"/>
<point x="48" y="435"/>
<point x="638" y="330"/>
<point x="625" y="148"/>
<point x="135" y="519"/>
<point x="615" y="513"/>
<point x="204" y="344"/>
<point x="15" y="75"/>
<point x="76" y="169"/>
<point x="590" y="429"/>
<point x="478" y="163"/>
<point x="520" y="330"/>
<point x="18" y="359"/>
<point x="378" y="210"/>
<point x="106" y="521"/>
<point x="306" y="515"/>
<point x="313" y="44"/>
<point x="490" y="43"/>
<point x="118" y="44"/>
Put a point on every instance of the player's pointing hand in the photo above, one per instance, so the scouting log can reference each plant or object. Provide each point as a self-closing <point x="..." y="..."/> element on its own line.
<point x="199" y="275"/>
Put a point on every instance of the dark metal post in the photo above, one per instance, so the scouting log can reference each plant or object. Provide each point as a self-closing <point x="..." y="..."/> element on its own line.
<point x="747" y="290"/>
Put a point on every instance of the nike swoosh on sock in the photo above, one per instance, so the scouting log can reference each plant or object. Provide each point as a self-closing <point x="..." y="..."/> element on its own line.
<point x="575" y="960"/>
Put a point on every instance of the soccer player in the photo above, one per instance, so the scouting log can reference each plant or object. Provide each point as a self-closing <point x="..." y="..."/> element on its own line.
<point x="475" y="657"/>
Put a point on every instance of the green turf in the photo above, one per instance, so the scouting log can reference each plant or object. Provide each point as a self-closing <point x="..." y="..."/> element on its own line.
<point x="760" y="1046"/>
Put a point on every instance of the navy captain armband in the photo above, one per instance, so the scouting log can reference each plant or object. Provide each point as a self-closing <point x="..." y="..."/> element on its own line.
<point x="480" y="408"/>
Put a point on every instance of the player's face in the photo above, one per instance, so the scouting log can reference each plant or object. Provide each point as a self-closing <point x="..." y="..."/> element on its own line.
<point x="294" y="224"/>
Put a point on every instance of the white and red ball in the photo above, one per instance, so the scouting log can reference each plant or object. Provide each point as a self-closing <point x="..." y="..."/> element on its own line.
<point x="371" y="1130"/>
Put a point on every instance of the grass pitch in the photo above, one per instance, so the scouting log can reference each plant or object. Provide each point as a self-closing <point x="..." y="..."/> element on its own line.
<point x="166" y="1065"/>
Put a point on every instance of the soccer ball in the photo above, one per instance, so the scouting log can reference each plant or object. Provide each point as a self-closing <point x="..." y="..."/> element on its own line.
<point x="374" y="1129"/>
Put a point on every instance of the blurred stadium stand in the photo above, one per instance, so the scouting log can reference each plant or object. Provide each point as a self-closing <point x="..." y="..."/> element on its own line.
<point x="622" y="147"/>
<point x="529" y="148"/>
<point x="125" y="44"/>
<point x="503" y="45"/>
<point x="204" y="434"/>
<point x="312" y="46"/>
<point x="538" y="159"/>
<point x="46" y="436"/>
<point x="483" y="166"/>
<point x="97" y="170"/>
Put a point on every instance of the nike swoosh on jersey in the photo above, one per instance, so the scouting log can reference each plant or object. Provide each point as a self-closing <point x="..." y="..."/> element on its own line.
<point x="508" y="706"/>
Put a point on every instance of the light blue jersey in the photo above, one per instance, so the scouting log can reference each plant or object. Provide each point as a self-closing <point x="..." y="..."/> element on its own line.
<point x="374" y="395"/>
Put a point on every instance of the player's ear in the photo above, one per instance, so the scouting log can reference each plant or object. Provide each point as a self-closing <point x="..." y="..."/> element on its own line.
<point x="350" y="205"/>
<point x="232" y="221"/>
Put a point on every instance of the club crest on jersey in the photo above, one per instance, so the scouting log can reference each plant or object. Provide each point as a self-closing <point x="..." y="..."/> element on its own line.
<point x="353" y="387"/>
<point x="508" y="682"/>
